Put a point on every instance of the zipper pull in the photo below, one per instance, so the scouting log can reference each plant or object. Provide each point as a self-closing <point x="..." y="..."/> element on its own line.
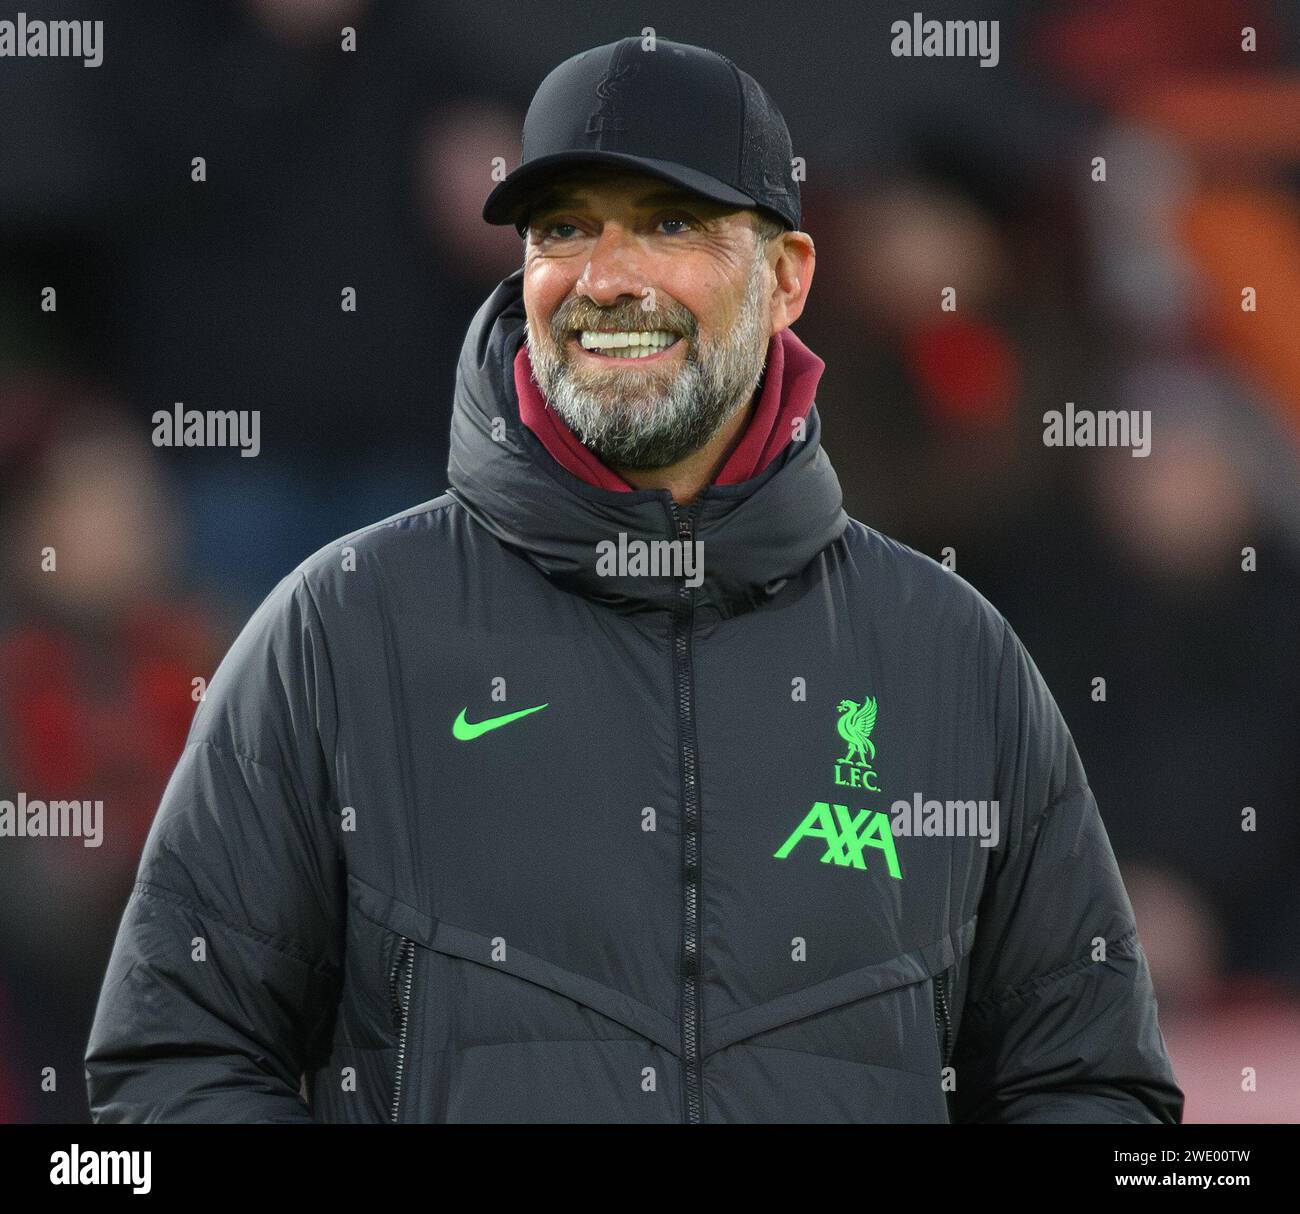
<point x="686" y="538"/>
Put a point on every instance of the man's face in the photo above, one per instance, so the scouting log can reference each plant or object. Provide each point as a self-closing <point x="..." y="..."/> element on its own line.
<point x="614" y="258"/>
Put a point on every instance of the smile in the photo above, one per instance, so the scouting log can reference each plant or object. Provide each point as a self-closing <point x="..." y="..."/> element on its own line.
<point x="624" y="345"/>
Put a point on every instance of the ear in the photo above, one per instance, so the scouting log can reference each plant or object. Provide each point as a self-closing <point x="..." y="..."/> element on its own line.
<point x="793" y="259"/>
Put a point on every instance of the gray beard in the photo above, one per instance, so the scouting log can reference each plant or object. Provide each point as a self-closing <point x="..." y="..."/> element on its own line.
<point x="650" y="417"/>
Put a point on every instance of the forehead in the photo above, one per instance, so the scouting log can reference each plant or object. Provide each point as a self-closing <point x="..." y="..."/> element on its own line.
<point x="609" y="185"/>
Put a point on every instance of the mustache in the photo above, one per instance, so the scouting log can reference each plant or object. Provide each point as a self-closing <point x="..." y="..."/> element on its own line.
<point x="628" y="316"/>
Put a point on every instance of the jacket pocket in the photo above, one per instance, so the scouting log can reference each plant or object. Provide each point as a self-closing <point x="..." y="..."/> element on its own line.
<point x="943" y="1016"/>
<point x="906" y="970"/>
<point x="867" y="1045"/>
<point x="400" y="981"/>
<point x="500" y="1034"/>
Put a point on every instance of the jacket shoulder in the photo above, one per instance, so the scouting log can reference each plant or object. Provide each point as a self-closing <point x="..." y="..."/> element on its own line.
<point x="914" y="588"/>
<point x="395" y="560"/>
<point x="282" y="654"/>
<point x="424" y="523"/>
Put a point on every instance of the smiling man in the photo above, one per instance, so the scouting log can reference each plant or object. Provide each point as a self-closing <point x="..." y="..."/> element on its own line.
<point x="503" y="810"/>
<point x="650" y="310"/>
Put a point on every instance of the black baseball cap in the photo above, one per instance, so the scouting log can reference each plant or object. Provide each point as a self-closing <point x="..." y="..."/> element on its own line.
<point x="683" y="113"/>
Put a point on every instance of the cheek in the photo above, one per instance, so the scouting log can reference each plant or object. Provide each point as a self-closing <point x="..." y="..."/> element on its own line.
<point x="709" y="300"/>
<point x="546" y="286"/>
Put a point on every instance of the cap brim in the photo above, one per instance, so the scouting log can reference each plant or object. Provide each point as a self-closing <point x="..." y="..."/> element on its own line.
<point x="509" y="200"/>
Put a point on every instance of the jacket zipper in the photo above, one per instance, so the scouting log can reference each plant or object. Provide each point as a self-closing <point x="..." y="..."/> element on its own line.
<point x="399" y="990"/>
<point x="941" y="1018"/>
<point x="690" y="976"/>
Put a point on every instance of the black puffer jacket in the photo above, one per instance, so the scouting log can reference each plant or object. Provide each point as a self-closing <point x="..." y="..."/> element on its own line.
<point x="658" y="882"/>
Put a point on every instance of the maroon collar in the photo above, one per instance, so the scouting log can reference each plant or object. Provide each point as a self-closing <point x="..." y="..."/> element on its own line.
<point x="789" y="386"/>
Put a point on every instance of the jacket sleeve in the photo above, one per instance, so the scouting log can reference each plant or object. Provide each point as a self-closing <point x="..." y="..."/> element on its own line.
<point x="224" y="973"/>
<point x="1059" y="1020"/>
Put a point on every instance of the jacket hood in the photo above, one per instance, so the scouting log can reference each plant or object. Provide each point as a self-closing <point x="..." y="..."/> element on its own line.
<point x="755" y="535"/>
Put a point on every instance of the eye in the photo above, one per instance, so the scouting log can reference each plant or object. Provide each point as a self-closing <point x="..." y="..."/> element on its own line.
<point x="678" y="217"/>
<point x="555" y="227"/>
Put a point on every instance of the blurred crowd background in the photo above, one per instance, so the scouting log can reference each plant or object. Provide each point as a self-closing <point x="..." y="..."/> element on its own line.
<point x="329" y="169"/>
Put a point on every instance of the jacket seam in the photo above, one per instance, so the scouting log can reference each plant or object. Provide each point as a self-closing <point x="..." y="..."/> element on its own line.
<point x="1002" y="659"/>
<point x="1014" y="849"/>
<point x="334" y="694"/>
<point x="785" y="1049"/>
<point x="635" y="1038"/>
<point x="1064" y="795"/>
<point x="290" y="948"/>
<point x="1124" y="946"/>
<point x="997" y="717"/>
<point x="235" y="753"/>
<point x="324" y="639"/>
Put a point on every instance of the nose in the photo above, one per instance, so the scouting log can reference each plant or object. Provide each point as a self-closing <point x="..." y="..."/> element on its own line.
<point x="615" y="267"/>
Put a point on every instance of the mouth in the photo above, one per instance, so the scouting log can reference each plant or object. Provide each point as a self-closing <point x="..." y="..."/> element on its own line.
<point x="637" y="346"/>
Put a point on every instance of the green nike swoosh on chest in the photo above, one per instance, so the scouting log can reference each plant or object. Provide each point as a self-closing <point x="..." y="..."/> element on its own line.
<point x="466" y="731"/>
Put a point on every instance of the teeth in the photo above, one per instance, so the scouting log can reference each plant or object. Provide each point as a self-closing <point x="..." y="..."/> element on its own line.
<point x="626" y="343"/>
<point x="630" y="352"/>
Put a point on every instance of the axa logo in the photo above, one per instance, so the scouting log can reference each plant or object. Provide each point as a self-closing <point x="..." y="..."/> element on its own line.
<point x="846" y="836"/>
<point x="855" y="724"/>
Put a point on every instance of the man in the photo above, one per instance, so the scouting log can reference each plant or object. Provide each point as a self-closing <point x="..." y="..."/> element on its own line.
<point x="604" y="787"/>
